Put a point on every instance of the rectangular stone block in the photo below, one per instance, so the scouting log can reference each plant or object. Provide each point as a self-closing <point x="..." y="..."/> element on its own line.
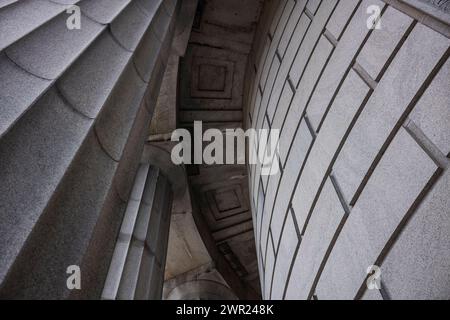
<point x="285" y="256"/>
<point x="277" y="16"/>
<point x="340" y="17"/>
<point x="300" y="148"/>
<point x="418" y="265"/>
<point x="311" y="39"/>
<point x="283" y="107"/>
<point x="325" y="220"/>
<point x="290" y="27"/>
<point x="339" y="63"/>
<point x="432" y="112"/>
<point x="382" y="43"/>
<point x="335" y="127"/>
<point x="312" y="74"/>
<point x="391" y="99"/>
<point x="268" y="91"/>
<point x="403" y="173"/>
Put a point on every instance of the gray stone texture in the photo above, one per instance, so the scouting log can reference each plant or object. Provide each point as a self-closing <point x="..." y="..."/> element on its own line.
<point x="423" y="49"/>
<point x="418" y="265"/>
<point x="285" y="256"/>
<point x="54" y="244"/>
<point x="129" y="27"/>
<point x="372" y="295"/>
<point x="77" y="114"/>
<point x="45" y="140"/>
<point x="90" y="80"/>
<point x="340" y="17"/>
<point x="21" y="17"/>
<point x="290" y="27"/>
<point x="339" y="63"/>
<point x="300" y="148"/>
<point x="283" y="73"/>
<point x="381" y="44"/>
<point x="311" y="38"/>
<point x="342" y="113"/>
<point x="49" y="50"/>
<point x="387" y="178"/>
<point x="119" y="112"/>
<point x="268" y="269"/>
<point x="12" y="80"/>
<point x="432" y="112"/>
<point x="310" y="78"/>
<point x="103" y="11"/>
<point x="325" y="220"/>
<point x="276" y="37"/>
<point x="396" y="184"/>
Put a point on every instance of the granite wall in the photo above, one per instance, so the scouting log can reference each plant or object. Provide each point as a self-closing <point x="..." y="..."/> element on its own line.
<point x="365" y="144"/>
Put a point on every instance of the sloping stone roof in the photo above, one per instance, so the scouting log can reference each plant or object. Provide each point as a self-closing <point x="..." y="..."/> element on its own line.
<point x="75" y="107"/>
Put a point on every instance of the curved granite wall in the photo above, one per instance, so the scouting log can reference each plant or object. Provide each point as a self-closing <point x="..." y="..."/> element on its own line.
<point x="365" y="144"/>
<point x="75" y="110"/>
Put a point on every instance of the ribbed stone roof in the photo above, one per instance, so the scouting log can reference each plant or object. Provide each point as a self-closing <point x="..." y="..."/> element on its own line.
<point x="75" y="107"/>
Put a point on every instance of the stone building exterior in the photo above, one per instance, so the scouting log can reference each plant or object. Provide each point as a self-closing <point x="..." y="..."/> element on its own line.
<point x="93" y="207"/>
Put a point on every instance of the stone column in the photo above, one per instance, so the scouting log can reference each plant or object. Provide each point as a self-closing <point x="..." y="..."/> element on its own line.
<point x="137" y="266"/>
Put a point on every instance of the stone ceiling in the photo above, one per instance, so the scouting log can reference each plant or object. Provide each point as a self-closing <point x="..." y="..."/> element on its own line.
<point x="211" y="85"/>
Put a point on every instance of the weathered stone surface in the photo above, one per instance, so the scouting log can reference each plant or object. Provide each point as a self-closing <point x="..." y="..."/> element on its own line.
<point x="62" y="194"/>
<point x="277" y="34"/>
<point x="313" y="5"/>
<point x="18" y="90"/>
<point x="444" y="5"/>
<point x="389" y="102"/>
<point x="382" y="43"/>
<point x="299" y="151"/>
<point x="372" y="295"/>
<point x="312" y="75"/>
<point x="285" y="257"/>
<point x="432" y="112"/>
<point x="49" y="50"/>
<point x="339" y="63"/>
<point x="103" y="11"/>
<point x="356" y="105"/>
<point x="129" y="162"/>
<point x="117" y="117"/>
<point x="418" y="265"/>
<point x="342" y="113"/>
<point x="22" y="17"/>
<point x="310" y="39"/>
<point x="45" y="140"/>
<point x="398" y="181"/>
<point x="340" y="17"/>
<point x="284" y="104"/>
<point x="90" y="80"/>
<point x="324" y="223"/>
<point x="290" y="27"/>
<point x="286" y="63"/>
<point x="268" y="270"/>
